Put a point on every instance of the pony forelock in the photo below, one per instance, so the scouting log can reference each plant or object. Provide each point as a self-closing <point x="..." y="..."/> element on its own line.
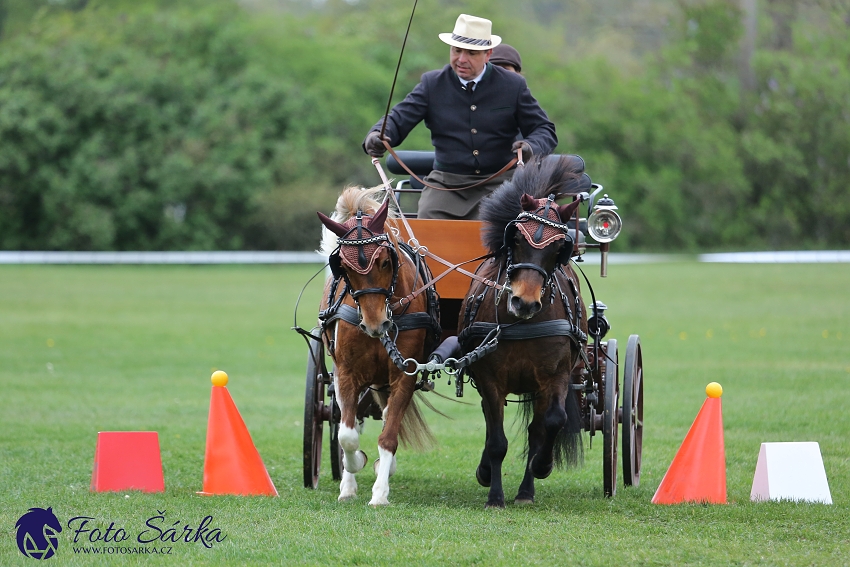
<point x="351" y="200"/>
<point x="540" y="177"/>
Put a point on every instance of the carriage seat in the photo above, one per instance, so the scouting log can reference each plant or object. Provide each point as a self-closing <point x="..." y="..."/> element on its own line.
<point x="422" y="162"/>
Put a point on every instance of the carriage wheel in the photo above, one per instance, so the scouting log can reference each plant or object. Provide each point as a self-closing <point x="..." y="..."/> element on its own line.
<point x="610" y="419"/>
<point x="632" y="412"/>
<point x="336" y="452"/>
<point x="314" y="406"/>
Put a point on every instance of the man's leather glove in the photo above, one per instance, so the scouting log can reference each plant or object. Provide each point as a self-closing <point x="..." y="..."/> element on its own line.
<point x="526" y="149"/>
<point x="373" y="144"/>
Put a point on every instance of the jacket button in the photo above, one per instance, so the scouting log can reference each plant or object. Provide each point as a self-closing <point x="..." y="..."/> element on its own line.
<point x="474" y="131"/>
<point x="473" y="107"/>
<point x="477" y="171"/>
<point x="475" y="152"/>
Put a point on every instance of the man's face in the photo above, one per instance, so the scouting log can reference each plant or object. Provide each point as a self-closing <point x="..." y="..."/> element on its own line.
<point x="468" y="63"/>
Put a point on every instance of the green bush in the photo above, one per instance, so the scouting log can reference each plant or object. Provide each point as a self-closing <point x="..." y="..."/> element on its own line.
<point x="164" y="133"/>
<point x="203" y="125"/>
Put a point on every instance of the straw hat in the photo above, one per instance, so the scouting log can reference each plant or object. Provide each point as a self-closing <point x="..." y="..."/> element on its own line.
<point x="472" y="33"/>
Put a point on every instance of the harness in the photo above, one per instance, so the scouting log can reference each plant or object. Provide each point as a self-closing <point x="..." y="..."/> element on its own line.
<point x="540" y="228"/>
<point x="358" y="251"/>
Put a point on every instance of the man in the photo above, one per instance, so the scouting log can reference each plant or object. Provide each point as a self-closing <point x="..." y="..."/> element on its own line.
<point x="506" y="57"/>
<point x="474" y="111"/>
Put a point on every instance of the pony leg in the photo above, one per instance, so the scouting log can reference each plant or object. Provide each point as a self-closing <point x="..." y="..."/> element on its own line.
<point x="497" y="445"/>
<point x="378" y="461"/>
<point x="536" y="433"/>
<point x="554" y="421"/>
<point x="483" y="472"/>
<point x="349" y="440"/>
<point x="400" y="395"/>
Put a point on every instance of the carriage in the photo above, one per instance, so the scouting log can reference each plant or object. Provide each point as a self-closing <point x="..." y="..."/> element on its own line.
<point x="606" y="409"/>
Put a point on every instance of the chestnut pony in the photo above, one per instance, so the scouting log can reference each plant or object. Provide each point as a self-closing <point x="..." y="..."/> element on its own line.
<point x="361" y="318"/>
<point x="541" y="320"/>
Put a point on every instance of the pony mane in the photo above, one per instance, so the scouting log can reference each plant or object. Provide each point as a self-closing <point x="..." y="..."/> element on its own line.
<point x="351" y="200"/>
<point x="540" y="178"/>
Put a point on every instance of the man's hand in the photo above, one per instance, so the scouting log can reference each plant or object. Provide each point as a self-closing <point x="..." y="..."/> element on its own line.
<point x="373" y="144"/>
<point x="525" y="147"/>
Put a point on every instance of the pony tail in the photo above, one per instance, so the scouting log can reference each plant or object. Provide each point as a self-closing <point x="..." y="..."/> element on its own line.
<point x="569" y="446"/>
<point x="415" y="433"/>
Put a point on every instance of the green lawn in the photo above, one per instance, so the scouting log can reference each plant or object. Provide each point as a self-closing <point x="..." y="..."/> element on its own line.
<point x="88" y="349"/>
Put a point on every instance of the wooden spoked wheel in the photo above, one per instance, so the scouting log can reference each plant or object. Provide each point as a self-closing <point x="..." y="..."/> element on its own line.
<point x="632" y="412"/>
<point x="610" y="418"/>
<point x="314" y="410"/>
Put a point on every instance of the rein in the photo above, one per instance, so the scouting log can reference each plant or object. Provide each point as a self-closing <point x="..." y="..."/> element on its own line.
<point x="422" y="250"/>
<point x="515" y="161"/>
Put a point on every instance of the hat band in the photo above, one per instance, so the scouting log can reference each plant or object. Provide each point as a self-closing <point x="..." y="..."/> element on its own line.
<point x="470" y="41"/>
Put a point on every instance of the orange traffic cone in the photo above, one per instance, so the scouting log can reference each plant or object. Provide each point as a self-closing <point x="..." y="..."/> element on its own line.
<point x="698" y="471"/>
<point x="127" y="460"/>
<point x="232" y="464"/>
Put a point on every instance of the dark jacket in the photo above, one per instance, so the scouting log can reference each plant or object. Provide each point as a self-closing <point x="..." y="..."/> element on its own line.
<point x="472" y="133"/>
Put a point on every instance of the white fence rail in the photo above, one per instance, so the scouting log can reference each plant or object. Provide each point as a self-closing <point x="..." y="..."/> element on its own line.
<point x="803" y="257"/>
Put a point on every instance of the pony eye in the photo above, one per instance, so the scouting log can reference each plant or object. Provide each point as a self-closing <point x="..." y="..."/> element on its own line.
<point x="385" y="264"/>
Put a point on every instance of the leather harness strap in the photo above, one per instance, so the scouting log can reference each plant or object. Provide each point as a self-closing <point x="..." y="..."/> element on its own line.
<point x="452" y="268"/>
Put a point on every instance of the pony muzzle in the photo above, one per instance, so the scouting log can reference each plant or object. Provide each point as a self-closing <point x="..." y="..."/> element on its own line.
<point x="377" y="322"/>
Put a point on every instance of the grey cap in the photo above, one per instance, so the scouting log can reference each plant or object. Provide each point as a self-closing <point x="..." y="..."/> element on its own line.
<point x="504" y="54"/>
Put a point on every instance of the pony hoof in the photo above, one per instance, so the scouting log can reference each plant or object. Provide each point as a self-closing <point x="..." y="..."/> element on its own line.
<point x="538" y="472"/>
<point x="362" y="455"/>
<point x="485" y="482"/>
<point x="524" y="501"/>
<point x="494" y="506"/>
<point x="543" y="474"/>
<point x="346" y="497"/>
<point x="375" y="502"/>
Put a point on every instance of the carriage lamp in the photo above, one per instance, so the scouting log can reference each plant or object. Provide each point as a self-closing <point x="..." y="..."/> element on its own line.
<point x="597" y="325"/>
<point x="604" y="225"/>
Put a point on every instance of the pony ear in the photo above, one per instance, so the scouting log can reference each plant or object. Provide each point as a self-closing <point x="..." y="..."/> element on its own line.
<point x="567" y="211"/>
<point x="332" y="225"/>
<point x="528" y="202"/>
<point x="376" y="225"/>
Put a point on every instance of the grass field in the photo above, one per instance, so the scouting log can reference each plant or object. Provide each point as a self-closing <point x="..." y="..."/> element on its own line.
<point x="88" y="349"/>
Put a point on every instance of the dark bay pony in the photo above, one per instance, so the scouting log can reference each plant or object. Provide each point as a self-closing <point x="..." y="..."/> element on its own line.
<point x="542" y="321"/>
<point x="371" y="272"/>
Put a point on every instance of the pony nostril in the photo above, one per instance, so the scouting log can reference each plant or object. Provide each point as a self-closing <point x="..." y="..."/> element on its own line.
<point x="362" y="326"/>
<point x="385" y="326"/>
<point x="537" y="306"/>
<point x="516" y="303"/>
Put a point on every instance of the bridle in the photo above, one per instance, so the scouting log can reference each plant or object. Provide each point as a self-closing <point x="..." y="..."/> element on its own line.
<point x="345" y="253"/>
<point x="539" y="238"/>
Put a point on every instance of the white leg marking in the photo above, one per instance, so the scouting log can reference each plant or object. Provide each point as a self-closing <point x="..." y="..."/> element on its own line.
<point x="381" y="488"/>
<point x="349" y="440"/>
<point x="347" y="487"/>
<point x="377" y="464"/>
